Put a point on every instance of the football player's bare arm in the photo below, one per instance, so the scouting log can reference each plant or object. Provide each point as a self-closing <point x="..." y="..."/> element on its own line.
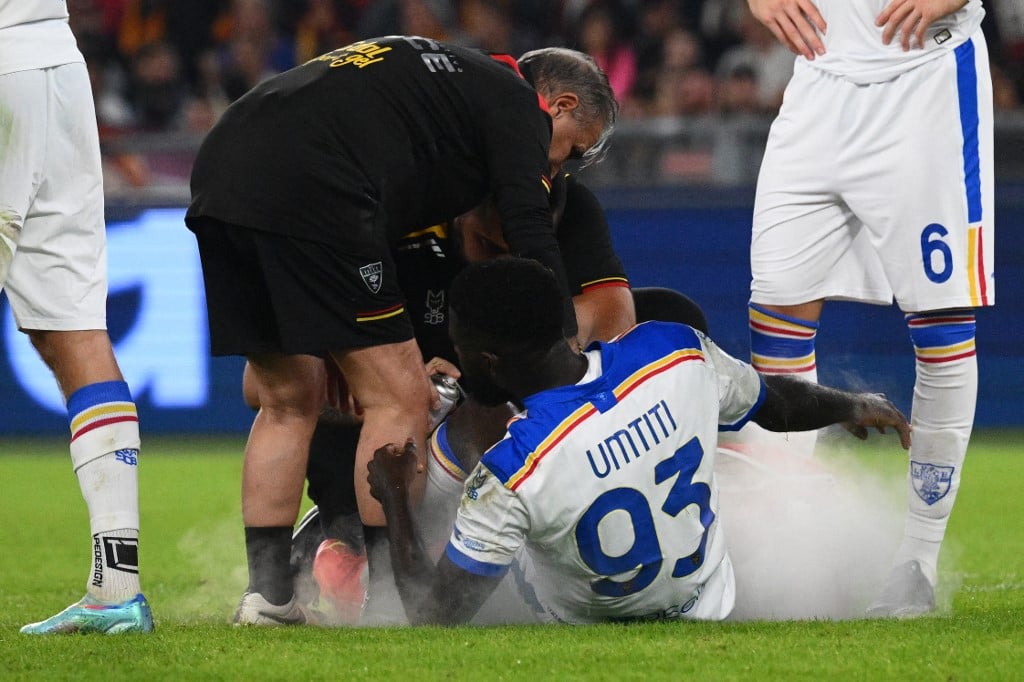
<point x="444" y="594"/>
<point x="793" y="404"/>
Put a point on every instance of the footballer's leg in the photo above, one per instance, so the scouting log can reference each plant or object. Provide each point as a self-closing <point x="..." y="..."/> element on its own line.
<point x="290" y="392"/>
<point x="782" y="340"/>
<point x="392" y="388"/>
<point x="328" y="553"/>
<point x="104" y="453"/>
<point x="57" y="288"/>
<point x="942" y="416"/>
<point x="941" y="244"/>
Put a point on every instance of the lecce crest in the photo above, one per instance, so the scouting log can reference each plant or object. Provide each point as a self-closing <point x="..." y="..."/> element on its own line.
<point x="373" y="276"/>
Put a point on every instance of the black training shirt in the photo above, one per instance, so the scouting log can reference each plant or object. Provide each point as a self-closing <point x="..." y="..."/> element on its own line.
<point x="378" y="138"/>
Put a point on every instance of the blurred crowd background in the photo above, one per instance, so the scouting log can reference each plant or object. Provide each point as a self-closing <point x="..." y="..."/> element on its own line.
<point x="698" y="80"/>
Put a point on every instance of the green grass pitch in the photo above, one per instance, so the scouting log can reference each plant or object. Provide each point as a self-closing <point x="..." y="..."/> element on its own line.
<point x="193" y="572"/>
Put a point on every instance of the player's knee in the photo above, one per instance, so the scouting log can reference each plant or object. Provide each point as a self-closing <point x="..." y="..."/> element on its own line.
<point x="295" y="399"/>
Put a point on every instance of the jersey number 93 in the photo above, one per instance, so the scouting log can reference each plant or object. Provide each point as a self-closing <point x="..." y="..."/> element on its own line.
<point x="645" y="555"/>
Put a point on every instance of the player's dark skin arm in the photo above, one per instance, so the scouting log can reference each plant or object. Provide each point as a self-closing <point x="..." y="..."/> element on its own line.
<point x="432" y="595"/>
<point x="793" y="404"/>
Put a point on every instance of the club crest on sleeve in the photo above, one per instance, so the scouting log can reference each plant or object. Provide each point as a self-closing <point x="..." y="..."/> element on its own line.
<point x="931" y="483"/>
<point x="373" y="276"/>
<point x="474" y="485"/>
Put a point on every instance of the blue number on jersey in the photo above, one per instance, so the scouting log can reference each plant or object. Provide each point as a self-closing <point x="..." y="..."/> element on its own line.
<point x="645" y="556"/>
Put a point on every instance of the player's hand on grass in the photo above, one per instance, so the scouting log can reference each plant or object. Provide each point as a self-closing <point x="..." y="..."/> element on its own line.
<point x="391" y="469"/>
<point x="911" y="18"/>
<point x="876" y="411"/>
<point x="796" y="24"/>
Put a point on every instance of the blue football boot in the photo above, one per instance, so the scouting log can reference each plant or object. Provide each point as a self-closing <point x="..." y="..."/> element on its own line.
<point x="90" y="615"/>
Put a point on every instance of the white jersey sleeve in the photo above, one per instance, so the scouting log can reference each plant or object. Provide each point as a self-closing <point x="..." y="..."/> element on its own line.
<point x="35" y="34"/>
<point x="445" y="482"/>
<point x="854" y="48"/>
<point x="741" y="388"/>
<point x="490" y="527"/>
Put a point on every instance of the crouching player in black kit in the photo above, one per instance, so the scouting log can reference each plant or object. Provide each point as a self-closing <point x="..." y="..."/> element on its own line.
<point x="301" y="191"/>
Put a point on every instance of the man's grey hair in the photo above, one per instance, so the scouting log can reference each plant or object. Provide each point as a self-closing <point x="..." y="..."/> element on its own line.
<point x="557" y="69"/>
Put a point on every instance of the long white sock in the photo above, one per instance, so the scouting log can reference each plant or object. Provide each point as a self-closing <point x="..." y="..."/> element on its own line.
<point x="782" y="344"/>
<point x="104" y="452"/>
<point x="942" y="417"/>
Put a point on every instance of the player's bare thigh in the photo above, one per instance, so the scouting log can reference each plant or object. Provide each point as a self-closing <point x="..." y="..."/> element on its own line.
<point x="392" y="387"/>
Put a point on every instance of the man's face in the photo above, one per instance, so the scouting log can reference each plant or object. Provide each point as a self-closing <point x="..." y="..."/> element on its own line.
<point x="477" y="377"/>
<point x="570" y="139"/>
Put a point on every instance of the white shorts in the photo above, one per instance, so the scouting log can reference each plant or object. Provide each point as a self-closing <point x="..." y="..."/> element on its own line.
<point x="51" y="200"/>
<point x="870" y="192"/>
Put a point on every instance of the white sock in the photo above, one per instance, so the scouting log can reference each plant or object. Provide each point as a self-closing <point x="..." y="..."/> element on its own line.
<point x="104" y="452"/>
<point x="942" y="418"/>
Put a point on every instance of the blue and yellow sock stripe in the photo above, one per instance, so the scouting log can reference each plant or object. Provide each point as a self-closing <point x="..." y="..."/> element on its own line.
<point x="942" y="337"/>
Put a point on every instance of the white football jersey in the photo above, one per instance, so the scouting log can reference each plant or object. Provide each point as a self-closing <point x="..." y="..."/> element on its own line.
<point x="853" y="43"/>
<point x="34" y="34"/>
<point x="609" y="483"/>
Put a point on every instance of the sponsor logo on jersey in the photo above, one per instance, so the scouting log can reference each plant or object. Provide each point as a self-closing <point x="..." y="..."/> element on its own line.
<point x="669" y="613"/>
<point x="359" y="54"/>
<point x="435" y="308"/>
<point x="472" y="544"/>
<point x="373" y="276"/>
<point x="931" y="482"/>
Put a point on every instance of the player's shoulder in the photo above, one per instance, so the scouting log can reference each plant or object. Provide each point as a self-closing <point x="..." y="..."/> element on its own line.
<point x="657" y="336"/>
<point x="647" y="350"/>
<point x="532" y="434"/>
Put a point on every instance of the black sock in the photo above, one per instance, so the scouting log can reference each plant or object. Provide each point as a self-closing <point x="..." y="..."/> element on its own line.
<point x="346" y="527"/>
<point x="268" y="550"/>
<point x="378" y="559"/>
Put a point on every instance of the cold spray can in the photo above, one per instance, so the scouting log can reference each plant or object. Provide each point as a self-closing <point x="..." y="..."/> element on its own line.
<point x="451" y="395"/>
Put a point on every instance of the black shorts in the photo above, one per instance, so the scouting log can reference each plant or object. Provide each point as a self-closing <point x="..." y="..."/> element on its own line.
<point x="270" y="293"/>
